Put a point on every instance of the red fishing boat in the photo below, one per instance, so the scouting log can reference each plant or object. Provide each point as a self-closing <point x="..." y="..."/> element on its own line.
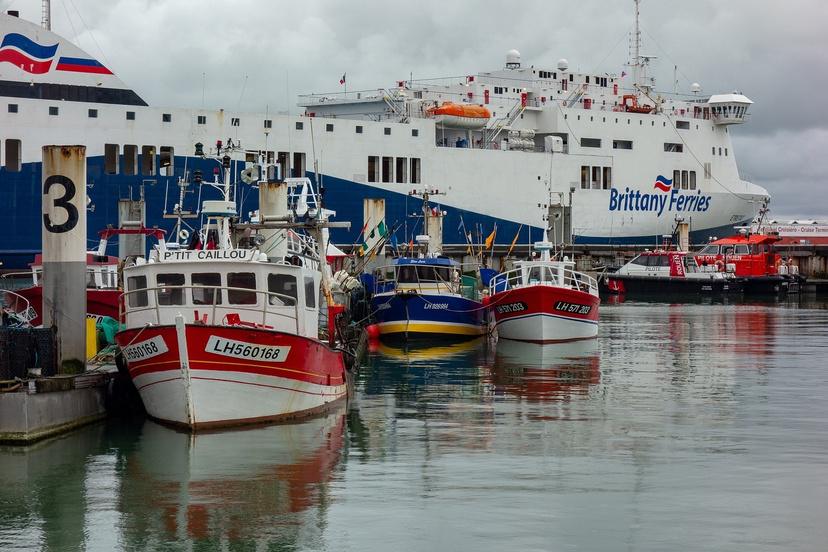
<point x="544" y="301"/>
<point x="224" y="336"/>
<point x="751" y="258"/>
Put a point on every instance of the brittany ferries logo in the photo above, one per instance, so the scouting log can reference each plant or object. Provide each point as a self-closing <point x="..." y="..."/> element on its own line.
<point x="37" y="59"/>
<point x="665" y="197"/>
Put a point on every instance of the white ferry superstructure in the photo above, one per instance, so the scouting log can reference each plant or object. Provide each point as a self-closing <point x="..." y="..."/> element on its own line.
<point x="552" y="132"/>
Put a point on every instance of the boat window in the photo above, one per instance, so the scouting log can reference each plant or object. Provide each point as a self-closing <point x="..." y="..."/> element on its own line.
<point x="402" y="164"/>
<point x="709" y="250"/>
<point x="676" y="179"/>
<point x="148" y="160"/>
<point x="245" y="280"/>
<point x="139" y="298"/>
<point x="310" y="293"/>
<point x="373" y="168"/>
<point x="596" y="178"/>
<point x="130" y="160"/>
<point x="692" y="180"/>
<point x="168" y="294"/>
<point x="387" y="169"/>
<point x="641" y="260"/>
<point x="685" y="180"/>
<point x="673" y="147"/>
<point x="690" y="264"/>
<point x="298" y="167"/>
<point x="207" y="295"/>
<point x="742" y="250"/>
<point x="607" y="178"/>
<point x="584" y="177"/>
<point x="13" y="108"/>
<point x="590" y="142"/>
<point x="727" y="250"/>
<point x="13" y="155"/>
<point x="283" y="284"/>
<point x="111" y="158"/>
<point x="167" y="159"/>
<point x="422" y="274"/>
<point x="415" y="170"/>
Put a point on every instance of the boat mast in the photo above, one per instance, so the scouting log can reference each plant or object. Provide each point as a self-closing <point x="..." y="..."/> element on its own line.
<point x="46" y="15"/>
<point x="636" y="62"/>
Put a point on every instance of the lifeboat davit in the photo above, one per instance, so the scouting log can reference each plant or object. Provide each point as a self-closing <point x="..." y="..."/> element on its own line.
<point x="452" y="115"/>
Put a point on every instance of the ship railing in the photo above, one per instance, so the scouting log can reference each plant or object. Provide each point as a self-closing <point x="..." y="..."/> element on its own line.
<point x="548" y="275"/>
<point x="17" y="310"/>
<point x="386" y="281"/>
<point x="262" y="310"/>
<point x="96" y="277"/>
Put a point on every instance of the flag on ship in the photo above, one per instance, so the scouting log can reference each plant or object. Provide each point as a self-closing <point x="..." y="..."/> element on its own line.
<point x="491" y="238"/>
<point x="342" y="80"/>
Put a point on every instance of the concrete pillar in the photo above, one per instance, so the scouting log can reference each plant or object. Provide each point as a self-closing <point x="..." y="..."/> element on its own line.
<point x="64" y="252"/>
<point x="683" y="231"/>
<point x="434" y="229"/>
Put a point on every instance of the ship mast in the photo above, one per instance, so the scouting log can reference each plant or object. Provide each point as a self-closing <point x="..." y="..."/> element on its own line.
<point x="46" y="15"/>
<point x="637" y="47"/>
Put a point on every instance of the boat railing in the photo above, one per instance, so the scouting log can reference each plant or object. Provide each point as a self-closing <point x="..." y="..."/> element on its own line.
<point x="386" y="280"/>
<point x="17" y="310"/>
<point x="264" y="306"/>
<point x="96" y="277"/>
<point x="560" y="276"/>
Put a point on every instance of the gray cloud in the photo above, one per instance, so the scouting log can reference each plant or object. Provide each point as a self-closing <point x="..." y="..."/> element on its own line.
<point x="774" y="53"/>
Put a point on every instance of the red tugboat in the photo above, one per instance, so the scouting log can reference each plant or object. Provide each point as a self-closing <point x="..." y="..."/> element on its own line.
<point x="751" y="258"/>
<point x="544" y="301"/>
<point x="225" y="336"/>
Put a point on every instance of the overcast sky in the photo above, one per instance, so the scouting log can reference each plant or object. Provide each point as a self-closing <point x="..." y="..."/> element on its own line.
<point x="261" y="54"/>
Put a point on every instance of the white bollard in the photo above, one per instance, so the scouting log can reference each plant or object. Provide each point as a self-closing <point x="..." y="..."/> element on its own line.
<point x="64" y="252"/>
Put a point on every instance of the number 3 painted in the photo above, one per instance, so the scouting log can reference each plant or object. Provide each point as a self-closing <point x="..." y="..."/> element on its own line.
<point x="62" y="202"/>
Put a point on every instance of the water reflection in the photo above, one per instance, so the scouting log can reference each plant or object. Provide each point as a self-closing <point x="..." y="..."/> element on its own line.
<point x="545" y="372"/>
<point x="261" y="487"/>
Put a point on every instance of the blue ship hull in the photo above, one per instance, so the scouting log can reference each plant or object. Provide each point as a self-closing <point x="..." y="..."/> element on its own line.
<point x="426" y="314"/>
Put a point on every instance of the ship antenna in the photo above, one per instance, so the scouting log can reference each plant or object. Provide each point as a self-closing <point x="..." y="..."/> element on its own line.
<point x="636" y="44"/>
<point x="46" y="15"/>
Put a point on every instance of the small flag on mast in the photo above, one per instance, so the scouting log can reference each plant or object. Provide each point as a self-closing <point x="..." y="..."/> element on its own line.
<point x="342" y="80"/>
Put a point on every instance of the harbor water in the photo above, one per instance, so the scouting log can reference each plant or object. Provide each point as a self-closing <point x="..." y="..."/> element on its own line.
<point x="682" y="427"/>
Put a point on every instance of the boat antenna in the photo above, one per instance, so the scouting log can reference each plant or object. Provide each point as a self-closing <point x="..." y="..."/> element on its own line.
<point x="637" y="45"/>
<point x="46" y="15"/>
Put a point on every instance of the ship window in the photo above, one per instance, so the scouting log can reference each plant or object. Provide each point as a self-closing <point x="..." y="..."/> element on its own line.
<point x="358" y="129"/>
<point x="676" y="179"/>
<point x="111" y="158"/>
<point x="130" y="115"/>
<point x="692" y="180"/>
<point x="725" y="152"/>
<point x="742" y="250"/>
<point x="596" y="178"/>
<point x="298" y="165"/>
<point x="268" y="123"/>
<point x="235" y="121"/>
<point x="685" y="125"/>
<point x="310" y="293"/>
<point x="714" y="150"/>
<point x="148" y="160"/>
<point x="130" y="160"/>
<point x="12" y="108"/>
<point x="201" y="119"/>
<point x="622" y="144"/>
<point x="53" y="110"/>
<point x="709" y="250"/>
<point x="586" y="79"/>
<point x="329" y="127"/>
<point x="685" y="180"/>
<point x="387" y="131"/>
<point x="300" y="125"/>
<point x="136" y="286"/>
<point x="720" y="151"/>
<point x="166" y="160"/>
<point x="402" y="164"/>
<point x="210" y="294"/>
<point x="245" y="281"/>
<point x="640" y="260"/>
<point x="282" y="158"/>
<point x="13" y="155"/>
<point x="166" y="117"/>
<point x="673" y="147"/>
<point x="285" y="286"/>
<point x="93" y="113"/>
<point x="571" y="78"/>
<point x="607" y="178"/>
<point x="584" y="177"/>
<point x="590" y="142"/>
<point x="415" y="132"/>
<point x="373" y="168"/>
<point x="169" y="293"/>
<point x="387" y="169"/>
<point x="415" y="170"/>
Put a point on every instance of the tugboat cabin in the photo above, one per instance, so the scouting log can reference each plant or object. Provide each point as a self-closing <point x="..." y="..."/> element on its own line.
<point x="751" y="254"/>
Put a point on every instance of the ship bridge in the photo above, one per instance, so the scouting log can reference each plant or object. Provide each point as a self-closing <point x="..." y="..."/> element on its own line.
<point x="729" y="109"/>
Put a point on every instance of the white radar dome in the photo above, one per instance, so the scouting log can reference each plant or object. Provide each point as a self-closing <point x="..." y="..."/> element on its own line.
<point x="512" y="58"/>
<point x="695" y="87"/>
<point x="563" y="65"/>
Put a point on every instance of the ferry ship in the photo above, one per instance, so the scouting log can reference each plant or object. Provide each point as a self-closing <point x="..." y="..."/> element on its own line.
<point x="499" y="144"/>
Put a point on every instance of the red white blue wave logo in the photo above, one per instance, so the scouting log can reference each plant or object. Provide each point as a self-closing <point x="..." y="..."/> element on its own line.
<point x="663" y="183"/>
<point x="36" y="58"/>
<point x="27" y="54"/>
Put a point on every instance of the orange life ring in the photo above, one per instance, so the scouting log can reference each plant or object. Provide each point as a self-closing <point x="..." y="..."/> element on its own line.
<point x="720" y="266"/>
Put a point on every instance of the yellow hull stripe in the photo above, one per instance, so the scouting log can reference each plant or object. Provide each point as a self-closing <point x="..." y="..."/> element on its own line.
<point x="430" y="328"/>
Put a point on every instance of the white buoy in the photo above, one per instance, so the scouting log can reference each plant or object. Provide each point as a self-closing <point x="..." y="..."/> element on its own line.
<point x="64" y="252"/>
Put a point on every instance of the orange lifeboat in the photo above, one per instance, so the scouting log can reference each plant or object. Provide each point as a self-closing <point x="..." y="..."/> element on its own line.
<point x="452" y="115"/>
<point x="630" y="103"/>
